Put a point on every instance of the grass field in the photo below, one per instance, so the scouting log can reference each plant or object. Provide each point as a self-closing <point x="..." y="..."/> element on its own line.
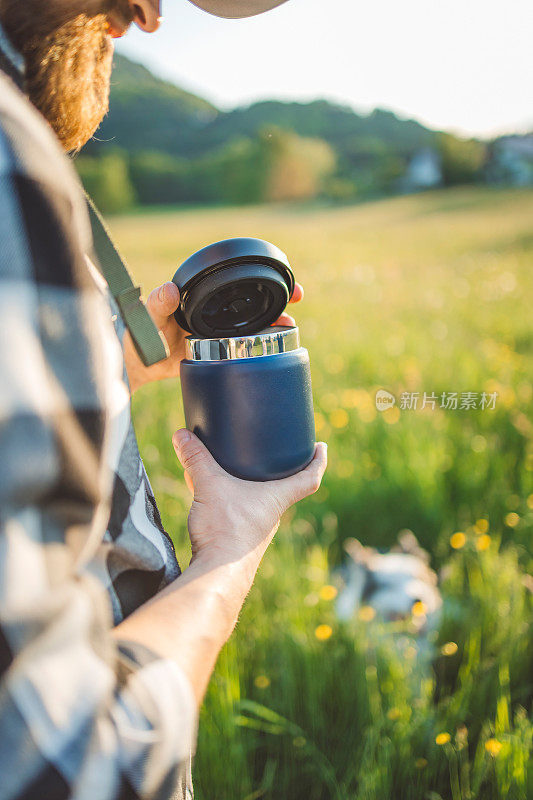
<point x="429" y="293"/>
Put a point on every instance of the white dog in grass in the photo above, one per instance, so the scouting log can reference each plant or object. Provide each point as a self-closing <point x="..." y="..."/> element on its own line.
<point x="395" y="584"/>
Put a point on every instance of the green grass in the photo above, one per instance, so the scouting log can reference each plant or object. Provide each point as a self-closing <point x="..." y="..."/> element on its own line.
<point x="428" y="293"/>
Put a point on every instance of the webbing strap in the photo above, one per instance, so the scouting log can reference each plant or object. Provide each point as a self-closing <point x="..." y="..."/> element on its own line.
<point x="149" y="343"/>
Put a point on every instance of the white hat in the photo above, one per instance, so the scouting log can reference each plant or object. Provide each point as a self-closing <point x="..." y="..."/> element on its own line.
<point x="234" y="9"/>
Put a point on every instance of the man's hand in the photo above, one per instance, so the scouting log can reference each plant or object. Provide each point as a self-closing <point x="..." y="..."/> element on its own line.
<point x="232" y="520"/>
<point x="162" y="303"/>
<point x="231" y="523"/>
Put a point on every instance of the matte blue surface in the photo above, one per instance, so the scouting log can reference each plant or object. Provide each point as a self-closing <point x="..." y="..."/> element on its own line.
<point x="255" y="415"/>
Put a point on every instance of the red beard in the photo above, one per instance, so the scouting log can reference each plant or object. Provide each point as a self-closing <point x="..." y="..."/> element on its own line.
<point x="68" y="60"/>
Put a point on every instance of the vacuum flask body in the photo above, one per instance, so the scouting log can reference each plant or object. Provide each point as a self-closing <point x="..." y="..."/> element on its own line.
<point x="249" y="400"/>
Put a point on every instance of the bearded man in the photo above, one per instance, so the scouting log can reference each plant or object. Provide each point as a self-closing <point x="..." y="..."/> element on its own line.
<point x="106" y="648"/>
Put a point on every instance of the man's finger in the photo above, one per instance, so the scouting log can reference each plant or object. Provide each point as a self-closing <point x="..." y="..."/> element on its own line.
<point x="286" y="319"/>
<point x="162" y="302"/>
<point x="296" y="487"/>
<point x="298" y="293"/>
<point x="194" y="457"/>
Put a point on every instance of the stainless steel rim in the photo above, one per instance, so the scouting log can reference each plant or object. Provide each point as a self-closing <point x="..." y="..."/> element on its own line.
<point x="269" y="342"/>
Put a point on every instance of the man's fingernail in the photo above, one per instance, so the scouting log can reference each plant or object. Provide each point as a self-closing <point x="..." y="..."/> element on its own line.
<point x="161" y="294"/>
<point x="180" y="437"/>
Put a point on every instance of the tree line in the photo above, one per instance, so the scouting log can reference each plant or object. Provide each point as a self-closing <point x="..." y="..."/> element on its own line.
<point x="273" y="166"/>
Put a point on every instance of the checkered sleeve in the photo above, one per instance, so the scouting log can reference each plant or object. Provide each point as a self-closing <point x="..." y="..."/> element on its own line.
<point x="80" y="715"/>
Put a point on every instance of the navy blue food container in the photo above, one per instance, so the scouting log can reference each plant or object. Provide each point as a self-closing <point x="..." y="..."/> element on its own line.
<point x="246" y="384"/>
<point x="249" y="400"/>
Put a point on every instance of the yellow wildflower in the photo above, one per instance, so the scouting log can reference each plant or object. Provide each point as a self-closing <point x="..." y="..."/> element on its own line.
<point x="442" y="738"/>
<point x="391" y="415"/>
<point x="458" y="540"/>
<point x="262" y="682"/>
<point x="419" y="609"/>
<point x="449" y="649"/>
<point x="366" y="613"/>
<point x="328" y="592"/>
<point x="493" y="747"/>
<point x="483" y="542"/>
<point x="323" y="632"/>
<point x="339" y="418"/>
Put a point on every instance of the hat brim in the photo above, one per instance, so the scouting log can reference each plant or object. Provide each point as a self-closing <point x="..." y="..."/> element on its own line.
<point x="236" y="9"/>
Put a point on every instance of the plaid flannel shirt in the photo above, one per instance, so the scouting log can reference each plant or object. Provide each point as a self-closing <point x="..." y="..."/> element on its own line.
<point x="82" y="715"/>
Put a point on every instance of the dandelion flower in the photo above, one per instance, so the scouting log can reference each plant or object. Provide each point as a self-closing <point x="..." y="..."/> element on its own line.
<point x="366" y="613"/>
<point x="350" y="398"/>
<point x="512" y="519"/>
<point x="328" y="592"/>
<point x="323" y="632"/>
<point x="419" y="609"/>
<point x="339" y="418"/>
<point x="262" y="682"/>
<point x="442" y="738"/>
<point x="391" y="415"/>
<point x="420" y="763"/>
<point x="449" y="649"/>
<point x="394" y="713"/>
<point x="481" y="526"/>
<point x="483" y="542"/>
<point x="458" y="540"/>
<point x="493" y="747"/>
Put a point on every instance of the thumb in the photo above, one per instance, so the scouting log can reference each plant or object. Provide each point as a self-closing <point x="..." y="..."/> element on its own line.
<point x="162" y="302"/>
<point x="194" y="457"/>
<point x="302" y="484"/>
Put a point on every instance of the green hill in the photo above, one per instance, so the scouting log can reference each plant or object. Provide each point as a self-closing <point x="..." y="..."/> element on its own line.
<point x="340" y="126"/>
<point x="162" y="145"/>
<point x="147" y="113"/>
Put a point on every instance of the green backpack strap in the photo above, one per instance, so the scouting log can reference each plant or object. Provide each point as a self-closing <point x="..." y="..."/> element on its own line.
<point x="149" y="342"/>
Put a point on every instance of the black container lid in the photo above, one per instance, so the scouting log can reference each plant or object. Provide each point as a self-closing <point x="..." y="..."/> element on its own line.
<point x="233" y="288"/>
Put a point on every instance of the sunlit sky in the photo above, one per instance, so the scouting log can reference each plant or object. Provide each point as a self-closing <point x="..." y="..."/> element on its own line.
<point x="462" y="65"/>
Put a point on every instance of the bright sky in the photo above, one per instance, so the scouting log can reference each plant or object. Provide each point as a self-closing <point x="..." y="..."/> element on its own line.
<point x="463" y="65"/>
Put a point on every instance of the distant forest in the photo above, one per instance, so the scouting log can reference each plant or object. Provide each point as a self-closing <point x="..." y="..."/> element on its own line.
<point x="162" y="145"/>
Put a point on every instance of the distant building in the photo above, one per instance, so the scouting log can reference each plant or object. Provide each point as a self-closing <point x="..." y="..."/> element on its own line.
<point x="423" y="171"/>
<point x="511" y="160"/>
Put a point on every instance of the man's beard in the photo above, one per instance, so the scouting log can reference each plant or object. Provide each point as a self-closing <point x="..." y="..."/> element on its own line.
<point x="68" y="67"/>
